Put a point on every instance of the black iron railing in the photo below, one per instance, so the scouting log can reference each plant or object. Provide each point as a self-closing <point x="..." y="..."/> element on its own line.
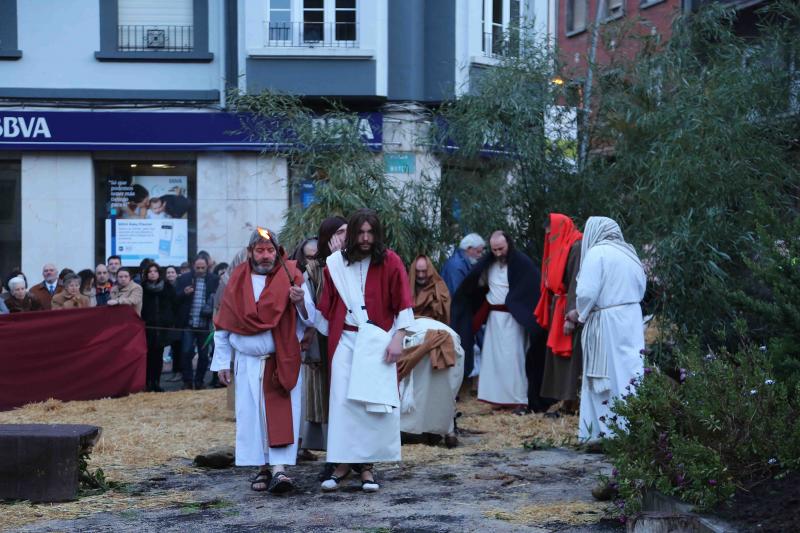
<point x="312" y="34"/>
<point x="147" y="38"/>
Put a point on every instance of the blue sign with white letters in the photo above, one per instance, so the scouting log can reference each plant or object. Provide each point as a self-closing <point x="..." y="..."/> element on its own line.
<point x="144" y="130"/>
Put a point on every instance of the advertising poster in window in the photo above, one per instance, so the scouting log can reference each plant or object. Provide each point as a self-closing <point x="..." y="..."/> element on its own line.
<point x="148" y="218"/>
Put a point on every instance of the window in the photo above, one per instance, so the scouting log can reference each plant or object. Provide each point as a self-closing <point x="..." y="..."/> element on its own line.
<point x="10" y="217"/>
<point x="8" y="30"/>
<point x="312" y="23"/>
<point x="154" y="30"/>
<point x="156" y="25"/>
<point x="576" y="16"/>
<point x="495" y="19"/>
<point x="614" y="9"/>
<point x="146" y="209"/>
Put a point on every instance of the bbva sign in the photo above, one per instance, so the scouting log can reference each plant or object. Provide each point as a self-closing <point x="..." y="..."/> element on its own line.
<point x="27" y="128"/>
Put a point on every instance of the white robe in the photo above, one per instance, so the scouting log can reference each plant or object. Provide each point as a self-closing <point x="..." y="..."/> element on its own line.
<point x="428" y="395"/>
<point x="503" y="380"/>
<point x="611" y="285"/>
<point x="252" y="446"/>
<point x="356" y="435"/>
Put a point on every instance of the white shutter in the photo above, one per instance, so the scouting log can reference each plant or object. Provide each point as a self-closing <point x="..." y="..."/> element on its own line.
<point x="156" y="12"/>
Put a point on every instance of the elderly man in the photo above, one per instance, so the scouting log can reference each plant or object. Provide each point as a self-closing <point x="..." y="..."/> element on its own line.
<point x="611" y="285"/>
<point x="455" y="269"/>
<point x="432" y="366"/>
<point x="126" y="292"/>
<point x="258" y="320"/>
<point x="48" y="288"/>
<point x="102" y="284"/>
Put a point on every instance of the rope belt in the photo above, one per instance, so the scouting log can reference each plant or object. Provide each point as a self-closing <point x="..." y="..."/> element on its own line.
<point x="502" y="308"/>
<point x="613" y="306"/>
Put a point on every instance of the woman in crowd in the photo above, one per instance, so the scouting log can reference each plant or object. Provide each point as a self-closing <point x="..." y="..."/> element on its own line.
<point x="19" y="300"/>
<point x="87" y="286"/>
<point x="70" y="297"/>
<point x="158" y="311"/>
<point x="171" y="275"/>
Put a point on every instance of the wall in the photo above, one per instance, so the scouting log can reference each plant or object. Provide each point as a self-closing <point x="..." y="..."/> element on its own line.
<point x="235" y="193"/>
<point x="57" y="212"/>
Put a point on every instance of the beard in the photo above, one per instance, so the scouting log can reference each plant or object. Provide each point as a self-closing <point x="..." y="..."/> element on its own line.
<point x="422" y="282"/>
<point x="502" y="259"/>
<point x="472" y="260"/>
<point x="359" y="253"/>
<point x="263" y="268"/>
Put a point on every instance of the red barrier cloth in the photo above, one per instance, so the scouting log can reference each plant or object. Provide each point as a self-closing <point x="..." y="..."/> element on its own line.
<point x="76" y="354"/>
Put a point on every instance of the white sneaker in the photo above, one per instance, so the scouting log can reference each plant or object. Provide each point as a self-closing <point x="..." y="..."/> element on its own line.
<point x="369" y="486"/>
<point x="329" y="485"/>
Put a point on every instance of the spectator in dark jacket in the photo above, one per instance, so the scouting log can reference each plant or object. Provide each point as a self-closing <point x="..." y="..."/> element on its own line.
<point x="195" y="308"/>
<point x="19" y="300"/>
<point x="158" y="311"/>
<point x="102" y="284"/>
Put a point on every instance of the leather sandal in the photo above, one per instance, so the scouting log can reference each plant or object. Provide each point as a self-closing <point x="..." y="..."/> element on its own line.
<point x="261" y="481"/>
<point x="281" y="483"/>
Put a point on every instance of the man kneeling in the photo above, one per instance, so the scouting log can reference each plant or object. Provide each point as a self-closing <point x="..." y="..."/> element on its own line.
<point x="257" y="318"/>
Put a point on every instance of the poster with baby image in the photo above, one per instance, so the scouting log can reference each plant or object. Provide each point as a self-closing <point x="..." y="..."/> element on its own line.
<point x="148" y="218"/>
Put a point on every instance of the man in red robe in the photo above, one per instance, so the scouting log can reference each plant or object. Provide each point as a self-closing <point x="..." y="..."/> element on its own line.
<point x="365" y="306"/>
<point x="258" y="318"/>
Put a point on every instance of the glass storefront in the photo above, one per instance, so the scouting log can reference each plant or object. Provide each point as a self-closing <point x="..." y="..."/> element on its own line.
<point x="10" y="217"/>
<point x="146" y="209"/>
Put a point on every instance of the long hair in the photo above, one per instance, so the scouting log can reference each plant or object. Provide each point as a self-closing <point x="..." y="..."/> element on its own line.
<point x="354" y="224"/>
<point x="327" y="228"/>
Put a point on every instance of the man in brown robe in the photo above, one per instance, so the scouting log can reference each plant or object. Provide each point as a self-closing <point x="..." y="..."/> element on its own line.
<point x="431" y="368"/>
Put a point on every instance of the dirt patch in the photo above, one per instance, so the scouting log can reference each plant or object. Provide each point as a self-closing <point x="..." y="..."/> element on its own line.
<point x="772" y="506"/>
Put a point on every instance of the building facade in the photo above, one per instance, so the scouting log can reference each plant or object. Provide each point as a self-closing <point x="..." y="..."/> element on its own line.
<point x="115" y="136"/>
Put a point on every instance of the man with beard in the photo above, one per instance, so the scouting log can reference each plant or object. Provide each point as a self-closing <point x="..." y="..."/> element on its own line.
<point x="258" y="319"/>
<point x="366" y="308"/>
<point x="432" y="366"/>
<point x="502" y="291"/>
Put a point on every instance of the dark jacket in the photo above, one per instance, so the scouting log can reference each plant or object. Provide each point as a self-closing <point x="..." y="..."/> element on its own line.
<point x="40" y="292"/>
<point x="158" y="309"/>
<point x="185" y="300"/>
<point x="455" y="269"/>
<point x="29" y="303"/>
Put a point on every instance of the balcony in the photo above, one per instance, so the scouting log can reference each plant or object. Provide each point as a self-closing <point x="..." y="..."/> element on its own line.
<point x="134" y="38"/>
<point x="311" y="35"/>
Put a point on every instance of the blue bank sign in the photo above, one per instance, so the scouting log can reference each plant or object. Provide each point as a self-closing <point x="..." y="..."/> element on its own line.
<point x="147" y="130"/>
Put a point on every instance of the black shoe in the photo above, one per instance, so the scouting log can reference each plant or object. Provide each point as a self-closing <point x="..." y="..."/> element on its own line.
<point x="199" y="386"/>
<point x="187" y="385"/>
<point x="280" y="483"/>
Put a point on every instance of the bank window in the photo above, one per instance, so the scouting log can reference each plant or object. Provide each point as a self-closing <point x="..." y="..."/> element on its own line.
<point x="312" y="23"/>
<point x="576" y="16"/>
<point x="10" y="217"/>
<point x="145" y="210"/>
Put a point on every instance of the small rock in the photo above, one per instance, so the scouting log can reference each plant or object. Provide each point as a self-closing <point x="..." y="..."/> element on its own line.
<point x="219" y="457"/>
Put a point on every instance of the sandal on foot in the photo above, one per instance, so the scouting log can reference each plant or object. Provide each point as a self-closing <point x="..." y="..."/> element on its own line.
<point x="369" y="485"/>
<point x="261" y="481"/>
<point x="281" y="483"/>
<point x="332" y="483"/>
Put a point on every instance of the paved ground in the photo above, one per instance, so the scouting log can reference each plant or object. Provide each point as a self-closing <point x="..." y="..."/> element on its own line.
<point x="486" y="491"/>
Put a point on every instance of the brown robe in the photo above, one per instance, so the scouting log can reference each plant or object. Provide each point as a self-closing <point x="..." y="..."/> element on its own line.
<point x="561" y="374"/>
<point x="63" y="300"/>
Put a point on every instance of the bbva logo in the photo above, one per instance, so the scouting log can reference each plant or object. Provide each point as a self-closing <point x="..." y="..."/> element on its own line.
<point x="27" y="128"/>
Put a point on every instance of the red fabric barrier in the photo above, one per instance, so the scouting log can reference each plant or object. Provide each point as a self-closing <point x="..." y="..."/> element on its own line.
<point x="76" y="354"/>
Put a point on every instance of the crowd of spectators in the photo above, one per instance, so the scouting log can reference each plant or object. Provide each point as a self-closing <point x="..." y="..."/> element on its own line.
<point x="175" y="303"/>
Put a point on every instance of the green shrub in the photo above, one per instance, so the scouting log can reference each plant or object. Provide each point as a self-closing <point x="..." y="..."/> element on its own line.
<point x="725" y="423"/>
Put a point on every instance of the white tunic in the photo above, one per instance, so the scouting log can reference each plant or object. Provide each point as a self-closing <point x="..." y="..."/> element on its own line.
<point x="610" y="287"/>
<point x="252" y="447"/>
<point x="503" y="380"/>
<point x="356" y="435"/>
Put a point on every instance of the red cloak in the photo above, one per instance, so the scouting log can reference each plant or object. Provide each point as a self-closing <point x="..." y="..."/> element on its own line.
<point x="563" y="234"/>
<point x="386" y="293"/>
<point x="239" y="313"/>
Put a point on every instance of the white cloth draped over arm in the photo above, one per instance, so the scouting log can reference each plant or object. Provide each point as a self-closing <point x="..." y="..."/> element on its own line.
<point x="404" y="319"/>
<point x="590" y="282"/>
<point x="222" y="351"/>
<point x="311" y="312"/>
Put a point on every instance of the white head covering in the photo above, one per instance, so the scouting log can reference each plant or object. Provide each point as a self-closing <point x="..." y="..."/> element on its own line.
<point x="603" y="231"/>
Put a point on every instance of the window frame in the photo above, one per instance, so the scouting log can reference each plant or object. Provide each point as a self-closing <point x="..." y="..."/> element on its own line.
<point x="109" y="38"/>
<point x="297" y="25"/>
<point x="570" y="10"/>
<point x="9" y="31"/>
<point x="488" y="25"/>
<point x="621" y="13"/>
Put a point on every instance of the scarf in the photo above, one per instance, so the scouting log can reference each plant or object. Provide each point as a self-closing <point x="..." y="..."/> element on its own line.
<point x="432" y="300"/>
<point x="557" y="244"/>
<point x="158" y="286"/>
<point x="239" y="313"/>
<point x="599" y="231"/>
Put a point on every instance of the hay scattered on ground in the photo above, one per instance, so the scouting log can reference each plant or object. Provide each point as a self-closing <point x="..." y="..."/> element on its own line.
<point x="142" y="430"/>
<point x="569" y="513"/>
<point x="19" y="514"/>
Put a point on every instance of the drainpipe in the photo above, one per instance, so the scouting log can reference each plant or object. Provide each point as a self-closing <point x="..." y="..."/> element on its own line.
<point x="587" y="90"/>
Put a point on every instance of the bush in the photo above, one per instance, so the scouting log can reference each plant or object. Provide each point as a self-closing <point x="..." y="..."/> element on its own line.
<point x="726" y="423"/>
